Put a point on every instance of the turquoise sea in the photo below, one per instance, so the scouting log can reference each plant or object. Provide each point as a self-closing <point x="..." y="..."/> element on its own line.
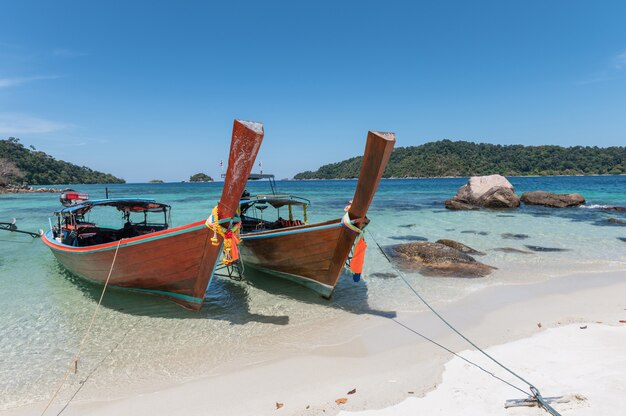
<point x="44" y="310"/>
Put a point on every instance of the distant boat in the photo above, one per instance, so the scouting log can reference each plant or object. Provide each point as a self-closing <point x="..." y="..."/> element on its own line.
<point x="312" y="255"/>
<point x="150" y="257"/>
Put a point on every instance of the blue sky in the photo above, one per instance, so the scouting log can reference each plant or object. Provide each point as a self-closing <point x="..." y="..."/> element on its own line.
<point x="149" y="89"/>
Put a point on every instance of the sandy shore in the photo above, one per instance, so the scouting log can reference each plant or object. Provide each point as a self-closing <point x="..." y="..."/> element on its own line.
<point x="390" y="366"/>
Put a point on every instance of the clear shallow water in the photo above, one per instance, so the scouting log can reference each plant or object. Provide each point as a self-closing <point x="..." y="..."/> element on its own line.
<point x="44" y="310"/>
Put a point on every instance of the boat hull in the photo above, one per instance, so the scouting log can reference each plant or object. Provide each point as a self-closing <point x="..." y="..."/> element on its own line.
<point x="314" y="255"/>
<point x="311" y="255"/>
<point x="176" y="264"/>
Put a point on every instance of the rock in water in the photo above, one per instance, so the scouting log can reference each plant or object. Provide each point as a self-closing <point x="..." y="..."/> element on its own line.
<point x="548" y="199"/>
<point x="512" y="250"/>
<point x="409" y="237"/>
<point x="546" y="249"/>
<point x="460" y="246"/>
<point x="383" y="275"/>
<point x="433" y="259"/>
<point x="511" y="236"/>
<point x="614" y="208"/>
<point x="493" y="191"/>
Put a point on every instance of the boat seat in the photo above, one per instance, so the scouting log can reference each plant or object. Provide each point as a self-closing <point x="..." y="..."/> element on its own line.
<point x="287" y="223"/>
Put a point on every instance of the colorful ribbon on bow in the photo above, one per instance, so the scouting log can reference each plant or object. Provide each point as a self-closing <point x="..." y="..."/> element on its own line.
<point x="230" y="235"/>
<point x="358" y="256"/>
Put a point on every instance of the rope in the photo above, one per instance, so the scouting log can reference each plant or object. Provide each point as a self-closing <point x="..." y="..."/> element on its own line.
<point x="74" y="362"/>
<point x="534" y="391"/>
<point x="229" y="235"/>
<point x="358" y="250"/>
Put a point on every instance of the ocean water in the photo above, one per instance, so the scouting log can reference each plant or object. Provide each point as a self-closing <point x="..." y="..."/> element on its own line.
<point x="44" y="310"/>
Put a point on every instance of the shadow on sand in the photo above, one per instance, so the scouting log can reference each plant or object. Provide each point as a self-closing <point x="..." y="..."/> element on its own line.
<point x="226" y="300"/>
<point x="349" y="296"/>
<point x="229" y="300"/>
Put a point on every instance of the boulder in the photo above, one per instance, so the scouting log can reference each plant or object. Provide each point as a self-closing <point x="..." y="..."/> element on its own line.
<point x="434" y="259"/>
<point x="493" y="191"/>
<point x="460" y="246"/>
<point x="548" y="199"/>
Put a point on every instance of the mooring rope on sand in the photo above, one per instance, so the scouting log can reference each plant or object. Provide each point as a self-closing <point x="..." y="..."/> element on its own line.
<point x="534" y="392"/>
<point x="74" y="362"/>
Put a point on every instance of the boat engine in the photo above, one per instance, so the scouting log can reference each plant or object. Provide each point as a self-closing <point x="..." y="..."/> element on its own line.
<point x="72" y="198"/>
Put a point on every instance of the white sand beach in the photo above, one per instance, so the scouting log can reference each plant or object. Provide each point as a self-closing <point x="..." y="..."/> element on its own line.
<point x="535" y="329"/>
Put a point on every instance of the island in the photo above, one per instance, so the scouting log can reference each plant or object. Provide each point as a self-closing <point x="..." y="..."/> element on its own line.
<point x="20" y="165"/>
<point x="200" y="177"/>
<point x="448" y="158"/>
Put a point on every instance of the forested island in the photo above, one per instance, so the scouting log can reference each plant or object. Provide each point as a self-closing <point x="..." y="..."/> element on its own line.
<point x="200" y="177"/>
<point x="461" y="158"/>
<point x="19" y="164"/>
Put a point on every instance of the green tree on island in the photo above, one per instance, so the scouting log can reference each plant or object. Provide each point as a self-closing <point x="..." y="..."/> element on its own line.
<point x="448" y="158"/>
<point x="19" y="164"/>
<point x="200" y="177"/>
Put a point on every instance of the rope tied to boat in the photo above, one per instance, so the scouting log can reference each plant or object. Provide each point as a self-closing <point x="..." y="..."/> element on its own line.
<point x="74" y="362"/>
<point x="229" y="234"/>
<point x="358" y="255"/>
<point x="534" y="391"/>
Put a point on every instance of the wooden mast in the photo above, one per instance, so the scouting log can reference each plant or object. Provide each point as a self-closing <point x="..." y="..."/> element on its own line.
<point x="377" y="152"/>
<point x="244" y="146"/>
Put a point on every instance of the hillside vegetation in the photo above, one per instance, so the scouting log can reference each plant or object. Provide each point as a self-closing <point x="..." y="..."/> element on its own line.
<point x="19" y="164"/>
<point x="449" y="158"/>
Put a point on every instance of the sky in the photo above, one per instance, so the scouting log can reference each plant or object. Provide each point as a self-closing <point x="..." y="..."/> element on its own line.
<point x="149" y="89"/>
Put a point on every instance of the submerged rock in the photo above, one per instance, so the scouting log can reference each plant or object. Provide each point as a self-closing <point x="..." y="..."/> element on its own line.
<point x="493" y="191"/>
<point x="510" y="236"/>
<point x="383" y="275"/>
<point x="622" y="239"/>
<point x="548" y="199"/>
<point x="615" y="221"/>
<point x="614" y="209"/>
<point x="474" y="232"/>
<point x="546" y="249"/>
<point x="460" y="246"/>
<point x="409" y="237"/>
<point x="512" y="250"/>
<point x="433" y="259"/>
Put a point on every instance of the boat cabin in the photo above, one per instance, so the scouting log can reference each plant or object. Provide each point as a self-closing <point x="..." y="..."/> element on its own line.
<point x="76" y="227"/>
<point x="283" y="212"/>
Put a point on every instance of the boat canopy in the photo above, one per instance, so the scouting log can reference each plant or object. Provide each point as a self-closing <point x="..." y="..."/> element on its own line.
<point x="257" y="176"/>
<point x="277" y="201"/>
<point x="122" y="204"/>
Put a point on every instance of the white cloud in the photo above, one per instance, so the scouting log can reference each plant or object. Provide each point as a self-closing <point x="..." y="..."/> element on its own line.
<point x="12" y="82"/>
<point x="613" y="70"/>
<point x="15" y="124"/>
<point x="619" y="61"/>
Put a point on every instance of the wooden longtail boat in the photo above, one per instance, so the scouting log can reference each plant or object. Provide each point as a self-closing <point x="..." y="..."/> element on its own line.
<point x="174" y="263"/>
<point x="312" y="255"/>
